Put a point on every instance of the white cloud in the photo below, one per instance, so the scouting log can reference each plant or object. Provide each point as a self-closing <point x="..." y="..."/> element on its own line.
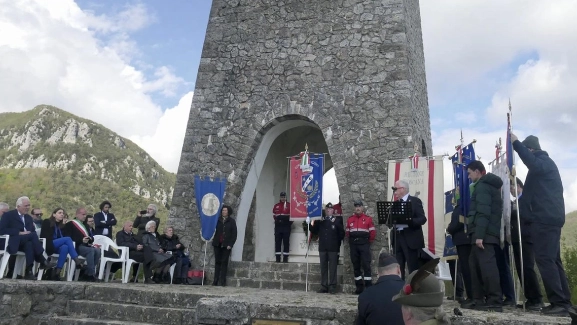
<point x="166" y="142"/>
<point x="55" y="53"/>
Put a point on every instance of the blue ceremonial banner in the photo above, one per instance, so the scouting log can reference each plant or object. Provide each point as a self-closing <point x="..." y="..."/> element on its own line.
<point x="462" y="192"/>
<point x="314" y="194"/>
<point x="209" y="197"/>
<point x="450" y="248"/>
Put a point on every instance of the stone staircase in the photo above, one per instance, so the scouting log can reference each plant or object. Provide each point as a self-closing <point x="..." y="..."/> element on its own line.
<point x="129" y="305"/>
<point x="272" y="275"/>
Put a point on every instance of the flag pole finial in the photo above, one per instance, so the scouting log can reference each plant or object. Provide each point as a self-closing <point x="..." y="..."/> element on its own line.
<point x="306" y="146"/>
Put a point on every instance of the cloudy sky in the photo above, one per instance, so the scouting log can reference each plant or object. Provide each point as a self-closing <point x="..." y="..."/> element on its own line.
<point x="131" y="66"/>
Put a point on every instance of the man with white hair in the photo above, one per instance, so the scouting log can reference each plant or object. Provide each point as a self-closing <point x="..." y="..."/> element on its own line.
<point x="408" y="239"/>
<point x="144" y="217"/>
<point x="19" y="225"/>
<point x="3" y="208"/>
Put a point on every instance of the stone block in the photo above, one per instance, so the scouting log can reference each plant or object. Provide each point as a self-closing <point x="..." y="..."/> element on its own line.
<point x="248" y="283"/>
<point x="271" y="284"/>
<point x="222" y="311"/>
<point x="289" y="276"/>
<point x="294" y="286"/>
<point x="241" y="273"/>
<point x="117" y="311"/>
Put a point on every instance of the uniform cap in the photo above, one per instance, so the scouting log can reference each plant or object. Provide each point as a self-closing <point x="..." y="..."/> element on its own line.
<point x="358" y="203"/>
<point x="329" y="205"/>
<point x="282" y="194"/>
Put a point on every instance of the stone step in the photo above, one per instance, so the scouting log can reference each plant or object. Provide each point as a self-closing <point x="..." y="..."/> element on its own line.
<point x="273" y="266"/>
<point x="161" y="295"/>
<point x="279" y="285"/>
<point x="279" y="276"/>
<point x="131" y="312"/>
<point x="63" y="320"/>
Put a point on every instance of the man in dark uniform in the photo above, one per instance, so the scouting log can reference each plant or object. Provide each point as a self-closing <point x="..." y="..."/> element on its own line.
<point x="408" y="239"/>
<point x="361" y="233"/>
<point x="375" y="303"/>
<point x="484" y="229"/>
<point x="331" y="233"/>
<point x="542" y="204"/>
<point x="456" y="229"/>
<point x="282" y="228"/>
<point x="532" y="289"/>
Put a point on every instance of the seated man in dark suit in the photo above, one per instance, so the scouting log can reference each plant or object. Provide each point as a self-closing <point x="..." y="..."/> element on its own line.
<point x="408" y="239"/>
<point x="20" y="226"/>
<point x="375" y="302"/>
<point x="125" y="237"/>
<point x="81" y="236"/>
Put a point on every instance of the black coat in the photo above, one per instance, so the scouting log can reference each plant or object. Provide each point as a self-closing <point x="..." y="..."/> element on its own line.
<point x="128" y="240"/>
<point x="525" y="225"/>
<point x="50" y="233"/>
<point x="140" y="224"/>
<point x="414" y="232"/>
<point x="457" y="229"/>
<point x="11" y="224"/>
<point x="100" y="224"/>
<point x="169" y="244"/>
<point x="76" y="235"/>
<point x="542" y="199"/>
<point x="226" y="230"/>
<point x="376" y="304"/>
<point x="331" y="233"/>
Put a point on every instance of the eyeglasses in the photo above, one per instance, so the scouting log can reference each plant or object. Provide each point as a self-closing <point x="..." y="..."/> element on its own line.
<point x="396" y="188"/>
<point x="39" y="214"/>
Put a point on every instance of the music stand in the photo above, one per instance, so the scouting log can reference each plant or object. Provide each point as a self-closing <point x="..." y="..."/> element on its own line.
<point x="392" y="214"/>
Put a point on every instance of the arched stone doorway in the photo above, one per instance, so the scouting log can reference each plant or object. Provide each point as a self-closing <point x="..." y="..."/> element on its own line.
<point x="267" y="177"/>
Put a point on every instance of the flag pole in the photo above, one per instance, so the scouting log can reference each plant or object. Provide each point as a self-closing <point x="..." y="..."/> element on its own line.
<point x="514" y="178"/>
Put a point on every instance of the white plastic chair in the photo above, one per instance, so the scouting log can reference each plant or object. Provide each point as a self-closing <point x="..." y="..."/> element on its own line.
<point x="73" y="273"/>
<point x="126" y="272"/>
<point x="105" y="243"/>
<point x="53" y="256"/>
<point x="20" y="265"/>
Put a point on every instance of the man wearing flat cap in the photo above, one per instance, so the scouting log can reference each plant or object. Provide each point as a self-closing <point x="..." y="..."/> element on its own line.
<point x="360" y="231"/>
<point x="421" y="298"/>
<point x="331" y="233"/>
<point x="375" y="303"/>
<point x="544" y="209"/>
<point x="282" y="228"/>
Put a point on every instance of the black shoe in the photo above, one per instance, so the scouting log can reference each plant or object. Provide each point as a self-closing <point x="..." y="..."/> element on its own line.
<point x="223" y="284"/>
<point x="148" y="281"/>
<point x="556" y="311"/>
<point x="323" y="290"/>
<point x="332" y="290"/>
<point x="278" y="258"/>
<point x="532" y="306"/>
<point x="29" y="276"/>
<point x="573" y="314"/>
<point x="177" y="281"/>
<point x="468" y="304"/>
<point x="215" y="283"/>
<point x="55" y="274"/>
<point x="489" y="307"/>
<point x="359" y="290"/>
<point x="508" y="303"/>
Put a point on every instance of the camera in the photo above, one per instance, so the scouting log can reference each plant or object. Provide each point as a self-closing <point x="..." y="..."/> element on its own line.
<point x="143" y="212"/>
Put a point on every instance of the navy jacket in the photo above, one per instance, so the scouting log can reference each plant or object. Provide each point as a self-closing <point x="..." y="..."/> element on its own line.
<point x="457" y="229"/>
<point x="542" y="200"/>
<point x="100" y="225"/>
<point x="11" y="224"/>
<point x="331" y="233"/>
<point x="414" y="233"/>
<point x="376" y="304"/>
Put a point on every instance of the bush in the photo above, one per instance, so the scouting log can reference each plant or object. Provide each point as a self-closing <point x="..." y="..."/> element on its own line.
<point x="570" y="263"/>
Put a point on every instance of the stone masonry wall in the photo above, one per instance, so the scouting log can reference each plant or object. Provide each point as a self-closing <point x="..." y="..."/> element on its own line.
<point x="353" y="67"/>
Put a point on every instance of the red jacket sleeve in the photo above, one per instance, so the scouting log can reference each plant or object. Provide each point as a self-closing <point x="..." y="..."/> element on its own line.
<point x="372" y="231"/>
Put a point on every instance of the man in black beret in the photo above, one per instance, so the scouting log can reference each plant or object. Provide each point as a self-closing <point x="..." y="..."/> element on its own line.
<point x="331" y="232"/>
<point x="375" y="303"/>
<point x="543" y="206"/>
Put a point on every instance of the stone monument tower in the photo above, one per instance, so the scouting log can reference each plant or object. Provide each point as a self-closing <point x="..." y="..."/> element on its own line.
<point x="345" y="76"/>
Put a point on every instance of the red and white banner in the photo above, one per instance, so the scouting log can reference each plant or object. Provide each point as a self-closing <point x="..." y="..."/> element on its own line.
<point x="426" y="183"/>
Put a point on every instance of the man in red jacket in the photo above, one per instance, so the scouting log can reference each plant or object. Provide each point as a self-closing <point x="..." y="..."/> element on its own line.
<point x="282" y="228"/>
<point x="361" y="233"/>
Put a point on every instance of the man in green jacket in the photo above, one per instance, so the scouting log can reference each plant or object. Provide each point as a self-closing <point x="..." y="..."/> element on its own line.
<point x="484" y="224"/>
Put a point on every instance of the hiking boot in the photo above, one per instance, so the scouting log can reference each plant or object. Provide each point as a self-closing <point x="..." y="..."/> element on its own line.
<point x="556" y="311"/>
<point x="489" y="307"/>
<point x="323" y="290"/>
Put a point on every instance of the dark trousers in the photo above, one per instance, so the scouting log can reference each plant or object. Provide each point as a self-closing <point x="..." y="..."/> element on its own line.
<point x="532" y="289"/>
<point x="457" y="282"/>
<point x="221" y="256"/>
<point x="139" y="257"/>
<point x="361" y="256"/>
<point x="31" y="246"/>
<point x="485" y="275"/>
<point x="182" y="267"/>
<point x="504" y="266"/>
<point x="548" y="258"/>
<point x="281" y="237"/>
<point x="464" y="251"/>
<point x="405" y="254"/>
<point x="329" y="262"/>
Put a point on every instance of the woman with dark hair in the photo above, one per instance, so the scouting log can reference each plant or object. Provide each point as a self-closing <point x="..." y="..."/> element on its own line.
<point x="104" y="220"/>
<point x="51" y="230"/>
<point x="223" y="240"/>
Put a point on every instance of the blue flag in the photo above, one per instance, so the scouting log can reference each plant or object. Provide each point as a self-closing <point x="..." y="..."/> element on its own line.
<point x="450" y="248"/>
<point x="462" y="193"/>
<point x="314" y="190"/>
<point x="209" y="200"/>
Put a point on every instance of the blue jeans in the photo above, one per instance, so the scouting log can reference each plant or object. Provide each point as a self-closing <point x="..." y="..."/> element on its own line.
<point x="92" y="256"/>
<point x="65" y="247"/>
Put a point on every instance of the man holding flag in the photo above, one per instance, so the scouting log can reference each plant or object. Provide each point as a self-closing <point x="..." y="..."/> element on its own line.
<point x="544" y="207"/>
